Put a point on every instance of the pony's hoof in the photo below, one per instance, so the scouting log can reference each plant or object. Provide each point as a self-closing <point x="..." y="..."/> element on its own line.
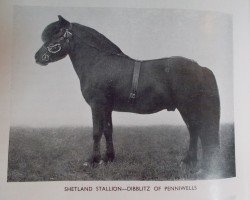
<point x="200" y="174"/>
<point x="209" y="174"/>
<point x="189" y="160"/>
<point x="108" y="158"/>
<point x="86" y="164"/>
<point x="92" y="164"/>
<point x="190" y="167"/>
<point x="101" y="162"/>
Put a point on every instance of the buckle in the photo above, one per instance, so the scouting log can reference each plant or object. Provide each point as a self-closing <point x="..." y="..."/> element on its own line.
<point x="132" y="96"/>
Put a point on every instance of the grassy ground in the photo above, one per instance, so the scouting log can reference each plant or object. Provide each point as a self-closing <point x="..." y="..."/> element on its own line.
<point x="142" y="153"/>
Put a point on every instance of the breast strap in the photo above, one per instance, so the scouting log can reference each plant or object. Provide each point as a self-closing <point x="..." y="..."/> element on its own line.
<point x="135" y="80"/>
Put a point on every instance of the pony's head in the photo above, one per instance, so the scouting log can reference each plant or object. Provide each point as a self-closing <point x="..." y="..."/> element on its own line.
<point x="56" y="38"/>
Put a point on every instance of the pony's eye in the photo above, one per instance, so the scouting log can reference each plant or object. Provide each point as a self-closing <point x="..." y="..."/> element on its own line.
<point x="58" y="32"/>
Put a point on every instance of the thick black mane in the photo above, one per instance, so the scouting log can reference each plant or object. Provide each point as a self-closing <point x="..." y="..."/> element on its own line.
<point x="96" y="39"/>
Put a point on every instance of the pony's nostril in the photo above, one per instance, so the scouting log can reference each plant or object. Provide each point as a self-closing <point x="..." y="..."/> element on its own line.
<point x="36" y="56"/>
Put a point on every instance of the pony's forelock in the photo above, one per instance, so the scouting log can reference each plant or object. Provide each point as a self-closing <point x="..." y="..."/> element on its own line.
<point x="50" y="31"/>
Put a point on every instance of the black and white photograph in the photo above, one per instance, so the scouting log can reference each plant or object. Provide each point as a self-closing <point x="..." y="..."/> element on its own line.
<point x="121" y="94"/>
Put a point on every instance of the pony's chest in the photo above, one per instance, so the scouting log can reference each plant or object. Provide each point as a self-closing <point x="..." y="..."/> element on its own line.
<point x="94" y="94"/>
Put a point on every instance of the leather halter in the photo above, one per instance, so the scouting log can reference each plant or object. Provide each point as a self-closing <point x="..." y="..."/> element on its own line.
<point x="135" y="80"/>
<point x="54" y="48"/>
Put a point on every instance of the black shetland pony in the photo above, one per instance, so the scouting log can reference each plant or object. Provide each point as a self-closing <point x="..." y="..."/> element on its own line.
<point x="107" y="76"/>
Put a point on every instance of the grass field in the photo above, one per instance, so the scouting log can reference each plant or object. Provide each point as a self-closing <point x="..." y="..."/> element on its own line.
<point x="142" y="153"/>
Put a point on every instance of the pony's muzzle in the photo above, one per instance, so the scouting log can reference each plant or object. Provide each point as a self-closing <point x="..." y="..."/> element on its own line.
<point x="37" y="56"/>
<point x="45" y="57"/>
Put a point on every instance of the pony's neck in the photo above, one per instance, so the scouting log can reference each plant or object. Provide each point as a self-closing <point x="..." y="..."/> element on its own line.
<point x="95" y="39"/>
<point x="82" y="57"/>
<point x="86" y="46"/>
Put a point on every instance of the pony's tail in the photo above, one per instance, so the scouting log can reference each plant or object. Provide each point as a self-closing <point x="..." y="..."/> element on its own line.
<point x="210" y="109"/>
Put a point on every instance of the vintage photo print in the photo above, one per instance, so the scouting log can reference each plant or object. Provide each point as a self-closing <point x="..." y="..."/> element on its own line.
<point x="121" y="94"/>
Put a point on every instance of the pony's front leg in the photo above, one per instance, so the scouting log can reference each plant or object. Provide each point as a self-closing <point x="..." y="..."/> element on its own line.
<point x="102" y="123"/>
<point x="108" y="130"/>
<point x="98" y="115"/>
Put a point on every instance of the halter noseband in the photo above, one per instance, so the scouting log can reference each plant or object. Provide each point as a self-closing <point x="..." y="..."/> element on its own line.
<point x="54" y="48"/>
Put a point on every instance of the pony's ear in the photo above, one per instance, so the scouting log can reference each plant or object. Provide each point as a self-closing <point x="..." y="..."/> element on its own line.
<point x="63" y="21"/>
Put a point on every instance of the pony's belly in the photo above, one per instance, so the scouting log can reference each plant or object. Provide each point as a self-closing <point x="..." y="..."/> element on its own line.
<point x="137" y="110"/>
<point x="142" y="107"/>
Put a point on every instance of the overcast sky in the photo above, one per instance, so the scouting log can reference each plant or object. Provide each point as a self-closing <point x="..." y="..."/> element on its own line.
<point x="50" y="96"/>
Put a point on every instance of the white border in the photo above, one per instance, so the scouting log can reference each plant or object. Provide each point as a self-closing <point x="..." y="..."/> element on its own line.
<point x="218" y="189"/>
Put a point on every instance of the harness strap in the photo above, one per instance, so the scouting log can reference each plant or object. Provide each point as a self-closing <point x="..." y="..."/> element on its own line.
<point x="136" y="74"/>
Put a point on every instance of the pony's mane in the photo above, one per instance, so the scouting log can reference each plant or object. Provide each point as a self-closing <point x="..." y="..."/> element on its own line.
<point x="96" y="39"/>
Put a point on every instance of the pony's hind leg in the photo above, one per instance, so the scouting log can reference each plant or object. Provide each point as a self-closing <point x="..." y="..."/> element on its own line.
<point x="191" y="157"/>
<point x="190" y="117"/>
<point x="210" y="147"/>
<point x="204" y="124"/>
<point x="209" y="134"/>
